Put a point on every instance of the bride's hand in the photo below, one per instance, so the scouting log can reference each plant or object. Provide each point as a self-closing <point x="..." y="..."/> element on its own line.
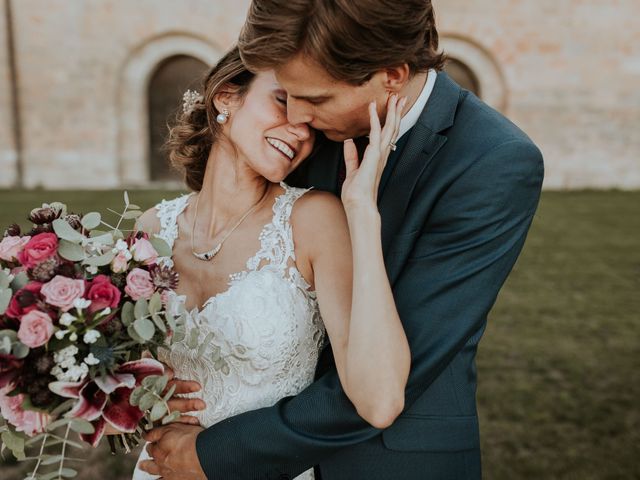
<point x="183" y="405"/>
<point x="362" y="180"/>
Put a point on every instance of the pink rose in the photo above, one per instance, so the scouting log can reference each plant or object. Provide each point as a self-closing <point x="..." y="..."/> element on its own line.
<point x="28" y="421"/>
<point x="119" y="264"/>
<point x="62" y="292"/>
<point x="103" y="294"/>
<point x="139" y="284"/>
<point x="38" y="249"/>
<point x="35" y="329"/>
<point x="10" y="247"/>
<point x="144" y="252"/>
<point x="24" y="300"/>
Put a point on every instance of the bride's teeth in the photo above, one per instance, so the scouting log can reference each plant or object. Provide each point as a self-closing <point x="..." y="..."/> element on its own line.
<point x="283" y="147"/>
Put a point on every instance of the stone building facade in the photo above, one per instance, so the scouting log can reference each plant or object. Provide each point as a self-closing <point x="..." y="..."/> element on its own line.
<point x="85" y="85"/>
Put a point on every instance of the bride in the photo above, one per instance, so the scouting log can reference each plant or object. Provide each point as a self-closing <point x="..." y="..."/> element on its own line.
<point x="266" y="270"/>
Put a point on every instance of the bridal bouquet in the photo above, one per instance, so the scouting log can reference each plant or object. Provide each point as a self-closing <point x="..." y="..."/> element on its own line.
<point x="79" y="305"/>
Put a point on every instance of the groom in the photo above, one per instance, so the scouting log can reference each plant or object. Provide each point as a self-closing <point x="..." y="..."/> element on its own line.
<point x="456" y="200"/>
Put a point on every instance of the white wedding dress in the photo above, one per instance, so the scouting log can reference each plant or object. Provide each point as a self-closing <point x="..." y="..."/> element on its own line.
<point x="263" y="333"/>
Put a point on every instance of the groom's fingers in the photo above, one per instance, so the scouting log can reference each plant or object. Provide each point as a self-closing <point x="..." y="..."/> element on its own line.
<point x="183" y="386"/>
<point x="149" y="467"/>
<point x="185" y="405"/>
<point x="155" y="435"/>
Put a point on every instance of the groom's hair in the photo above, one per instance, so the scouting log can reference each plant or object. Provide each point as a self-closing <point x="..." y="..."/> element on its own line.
<point x="351" y="39"/>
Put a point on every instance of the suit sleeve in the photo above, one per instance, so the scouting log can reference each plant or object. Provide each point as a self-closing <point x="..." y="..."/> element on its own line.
<point x="450" y="282"/>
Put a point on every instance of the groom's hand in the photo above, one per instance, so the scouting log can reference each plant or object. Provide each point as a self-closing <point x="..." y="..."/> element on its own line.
<point x="173" y="449"/>
<point x="183" y="405"/>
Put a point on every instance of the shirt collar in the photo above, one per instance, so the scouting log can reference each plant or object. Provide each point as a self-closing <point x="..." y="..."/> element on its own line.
<point x="411" y="117"/>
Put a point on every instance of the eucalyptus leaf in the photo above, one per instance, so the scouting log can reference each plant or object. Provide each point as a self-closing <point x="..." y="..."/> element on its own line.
<point x="145" y="328"/>
<point x="149" y="381"/>
<point x="4" y="280"/>
<point x="133" y="207"/>
<point x="178" y="335"/>
<point x="157" y="319"/>
<point x="49" y="459"/>
<point x="158" y="411"/>
<point x="19" y="281"/>
<point x="136" y="395"/>
<point x="97" y="233"/>
<point x="68" y="472"/>
<point x="160" y="384"/>
<point x="66" y="231"/>
<point x="132" y="333"/>
<point x="63" y="407"/>
<point x="172" y="417"/>
<point x="80" y="425"/>
<point x="13" y="442"/>
<point x="147" y="401"/>
<point x="71" y="251"/>
<point x="100" y="260"/>
<point x="102" y="239"/>
<point x="58" y="423"/>
<point x="20" y="350"/>
<point x="155" y="303"/>
<point x="131" y="214"/>
<point x="160" y="246"/>
<point x="5" y="299"/>
<point x="91" y="220"/>
<point x="141" y="309"/>
<point x="127" y="316"/>
<point x="126" y="198"/>
<point x="169" y="393"/>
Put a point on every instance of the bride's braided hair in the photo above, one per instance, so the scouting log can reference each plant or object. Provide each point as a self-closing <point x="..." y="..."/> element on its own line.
<point x="195" y="130"/>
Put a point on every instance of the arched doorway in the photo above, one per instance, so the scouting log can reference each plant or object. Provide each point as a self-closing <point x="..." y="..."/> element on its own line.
<point x="463" y="75"/>
<point x="170" y="80"/>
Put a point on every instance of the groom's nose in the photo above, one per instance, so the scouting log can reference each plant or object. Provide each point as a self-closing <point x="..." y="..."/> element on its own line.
<point x="298" y="111"/>
<point x="302" y="131"/>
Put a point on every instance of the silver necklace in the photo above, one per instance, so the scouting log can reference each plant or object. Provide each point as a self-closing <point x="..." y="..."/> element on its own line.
<point x="209" y="254"/>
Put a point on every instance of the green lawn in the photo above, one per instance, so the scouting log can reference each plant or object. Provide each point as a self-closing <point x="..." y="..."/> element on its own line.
<point x="559" y="362"/>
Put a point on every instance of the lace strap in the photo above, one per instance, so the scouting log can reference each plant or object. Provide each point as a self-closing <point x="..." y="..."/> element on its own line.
<point x="276" y="239"/>
<point x="168" y="211"/>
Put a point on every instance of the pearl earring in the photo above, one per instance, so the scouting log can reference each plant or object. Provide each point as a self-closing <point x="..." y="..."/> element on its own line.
<point x="223" y="117"/>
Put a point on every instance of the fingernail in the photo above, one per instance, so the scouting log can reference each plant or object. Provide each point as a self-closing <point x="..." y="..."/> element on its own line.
<point x="404" y="101"/>
<point x="348" y="140"/>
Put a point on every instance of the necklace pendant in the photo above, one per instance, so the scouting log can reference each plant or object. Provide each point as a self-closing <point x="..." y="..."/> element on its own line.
<point x="206" y="256"/>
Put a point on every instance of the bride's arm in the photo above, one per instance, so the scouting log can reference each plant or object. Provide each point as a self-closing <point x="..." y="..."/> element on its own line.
<point x="356" y="302"/>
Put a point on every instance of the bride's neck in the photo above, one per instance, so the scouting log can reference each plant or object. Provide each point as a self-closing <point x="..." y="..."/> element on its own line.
<point x="229" y="189"/>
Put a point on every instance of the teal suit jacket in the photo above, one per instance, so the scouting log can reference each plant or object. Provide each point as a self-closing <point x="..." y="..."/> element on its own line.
<point x="455" y="214"/>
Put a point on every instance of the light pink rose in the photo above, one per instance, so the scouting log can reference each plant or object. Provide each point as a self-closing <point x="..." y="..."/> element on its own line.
<point x="38" y="249"/>
<point x="27" y="421"/>
<point x="62" y="292"/>
<point x="10" y="247"/>
<point x="119" y="264"/>
<point x="144" y="252"/>
<point x="35" y="329"/>
<point x="139" y="284"/>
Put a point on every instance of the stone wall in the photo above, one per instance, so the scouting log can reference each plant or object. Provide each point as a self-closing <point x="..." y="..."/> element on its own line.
<point x="566" y="71"/>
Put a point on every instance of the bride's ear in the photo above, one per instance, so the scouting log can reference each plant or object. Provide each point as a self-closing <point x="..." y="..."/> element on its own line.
<point x="227" y="98"/>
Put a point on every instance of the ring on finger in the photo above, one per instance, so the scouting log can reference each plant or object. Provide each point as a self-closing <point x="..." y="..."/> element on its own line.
<point x="392" y="146"/>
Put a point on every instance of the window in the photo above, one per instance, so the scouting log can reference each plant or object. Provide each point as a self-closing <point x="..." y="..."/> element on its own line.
<point x="168" y="83"/>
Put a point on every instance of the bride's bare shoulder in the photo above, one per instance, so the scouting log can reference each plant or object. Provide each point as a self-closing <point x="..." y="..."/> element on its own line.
<point x="318" y="218"/>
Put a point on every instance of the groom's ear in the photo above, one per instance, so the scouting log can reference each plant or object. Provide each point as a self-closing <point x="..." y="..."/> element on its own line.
<point x="395" y="78"/>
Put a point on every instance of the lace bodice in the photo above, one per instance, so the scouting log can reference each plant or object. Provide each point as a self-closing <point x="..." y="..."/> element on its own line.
<point x="260" y="338"/>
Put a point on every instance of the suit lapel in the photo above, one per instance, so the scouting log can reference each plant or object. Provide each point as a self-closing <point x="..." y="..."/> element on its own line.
<point x="423" y="144"/>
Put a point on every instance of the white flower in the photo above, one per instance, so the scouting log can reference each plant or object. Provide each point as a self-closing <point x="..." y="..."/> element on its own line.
<point x="91" y="360"/>
<point x="104" y="312"/>
<point x="73" y="337"/>
<point x="66" y="360"/>
<point x="7" y="272"/>
<point x="67" y="319"/>
<point x="81" y="303"/>
<point x="91" y="336"/>
<point x="60" y="334"/>
<point x="92" y="269"/>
